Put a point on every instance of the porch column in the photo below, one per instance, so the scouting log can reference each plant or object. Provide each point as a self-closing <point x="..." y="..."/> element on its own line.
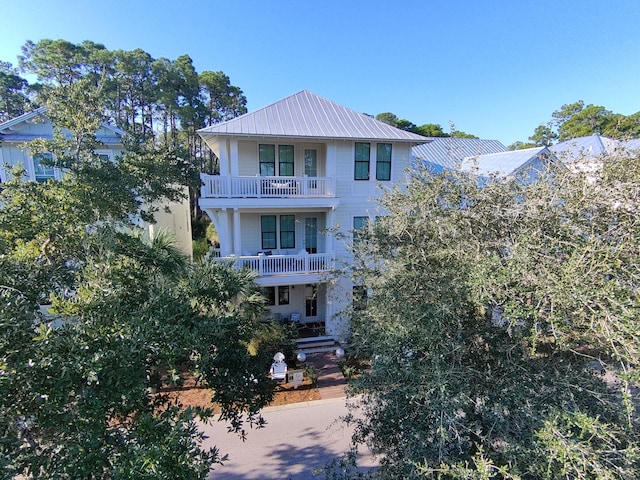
<point x="220" y="220"/>
<point x="237" y="245"/>
<point x="234" y="158"/>
<point x="330" y="226"/>
<point x="223" y="158"/>
<point x="331" y="165"/>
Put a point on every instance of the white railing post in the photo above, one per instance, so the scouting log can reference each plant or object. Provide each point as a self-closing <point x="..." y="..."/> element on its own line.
<point x="229" y="192"/>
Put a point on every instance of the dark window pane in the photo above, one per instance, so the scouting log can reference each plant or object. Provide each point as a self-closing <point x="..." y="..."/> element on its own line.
<point x="287" y="231"/>
<point x="383" y="162"/>
<point x="268" y="226"/>
<point x="267" y="154"/>
<point x="270" y="293"/>
<point x="362" y="157"/>
<point x="283" y="295"/>
<point x="285" y="155"/>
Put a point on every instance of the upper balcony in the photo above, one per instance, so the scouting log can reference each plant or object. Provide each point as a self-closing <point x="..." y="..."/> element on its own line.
<point x="274" y="191"/>
<point x="217" y="186"/>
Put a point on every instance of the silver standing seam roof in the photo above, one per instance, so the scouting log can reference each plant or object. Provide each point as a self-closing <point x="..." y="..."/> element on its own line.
<point x="308" y="115"/>
<point x="448" y="152"/>
<point x="503" y="163"/>
<point x="8" y="134"/>
<point x="584" y="147"/>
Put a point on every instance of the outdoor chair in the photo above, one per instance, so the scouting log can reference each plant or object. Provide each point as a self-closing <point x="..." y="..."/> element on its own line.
<point x="279" y="370"/>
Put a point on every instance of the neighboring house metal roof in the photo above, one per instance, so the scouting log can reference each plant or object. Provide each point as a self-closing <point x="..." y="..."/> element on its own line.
<point x="308" y="115"/>
<point x="448" y="152"/>
<point x="504" y="163"/>
<point x="632" y="145"/>
<point x="8" y="134"/>
<point x="584" y="147"/>
<point x="22" y="118"/>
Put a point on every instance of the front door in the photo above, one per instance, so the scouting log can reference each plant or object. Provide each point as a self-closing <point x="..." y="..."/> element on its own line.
<point x="311" y="234"/>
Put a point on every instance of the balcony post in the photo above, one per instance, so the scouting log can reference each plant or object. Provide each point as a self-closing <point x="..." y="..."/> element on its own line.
<point x="229" y="186"/>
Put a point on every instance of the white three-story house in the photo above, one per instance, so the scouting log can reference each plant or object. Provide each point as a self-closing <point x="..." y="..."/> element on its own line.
<point x="293" y="177"/>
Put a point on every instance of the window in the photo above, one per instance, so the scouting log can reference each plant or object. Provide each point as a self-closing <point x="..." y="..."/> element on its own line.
<point x="267" y="155"/>
<point x="285" y="157"/>
<point x="283" y="295"/>
<point x="270" y="293"/>
<point x="268" y="227"/>
<point x="359" y="297"/>
<point x="363" y="152"/>
<point x="359" y="223"/>
<point x="269" y="231"/>
<point x="287" y="231"/>
<point x="267" y="158"/>
<point x="43" y="167"/>
<point x="383" y="161"/>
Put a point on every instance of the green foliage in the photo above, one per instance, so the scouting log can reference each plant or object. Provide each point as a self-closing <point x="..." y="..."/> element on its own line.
<point x="427" y="130"/>
<point x="74" y="394"/>
<point x="77" y="384"/>
<point x="200" y="248"/>
<point x="158" y="103"/>
<point x="576" y="119"/>
<point x="490" y="308"/>
<point x="14" y="94"/>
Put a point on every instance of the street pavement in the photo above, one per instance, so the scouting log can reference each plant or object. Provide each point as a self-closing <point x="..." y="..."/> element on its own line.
<point x="299" y="439"/>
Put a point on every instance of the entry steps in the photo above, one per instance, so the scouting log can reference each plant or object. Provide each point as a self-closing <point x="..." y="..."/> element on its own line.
<point x="317" y="344"/>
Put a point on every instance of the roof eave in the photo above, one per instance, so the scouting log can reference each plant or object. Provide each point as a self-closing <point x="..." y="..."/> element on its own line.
<point x="212" y="135"/>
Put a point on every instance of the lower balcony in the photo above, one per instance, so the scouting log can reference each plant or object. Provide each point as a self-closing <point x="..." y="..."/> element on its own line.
<point x="271" y="265"/>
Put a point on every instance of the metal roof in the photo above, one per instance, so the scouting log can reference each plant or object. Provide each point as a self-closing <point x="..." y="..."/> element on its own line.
<point x="504" y="163"/>
<point x="308" y="115"/>
<point x="7" y="132"/>
<point x="632" y="145"/>
<point x="448" y="152"/>
<point x="22" y="118"/>
<point x="584" y="147"/>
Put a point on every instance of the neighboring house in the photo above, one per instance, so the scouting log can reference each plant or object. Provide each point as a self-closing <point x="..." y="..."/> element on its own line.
<point x="447" y="153"/>
<point x="530" y="162"/>
<point x="15" y="133"/>
<point x="295" y="176"/>
<point x="586" y="153"/>
<point x="583" y="153"/>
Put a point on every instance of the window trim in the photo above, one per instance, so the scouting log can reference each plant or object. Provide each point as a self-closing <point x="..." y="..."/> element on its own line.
<point x="359" y="161"/>
<point x="383" y="161"/>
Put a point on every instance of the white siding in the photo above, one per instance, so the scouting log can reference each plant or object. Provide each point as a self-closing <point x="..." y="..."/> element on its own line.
<point x="248" y="153"/>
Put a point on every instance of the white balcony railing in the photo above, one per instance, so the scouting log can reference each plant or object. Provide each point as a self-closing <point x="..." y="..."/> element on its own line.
<point x="267" y="265"/>
<point x="216" y="186"/>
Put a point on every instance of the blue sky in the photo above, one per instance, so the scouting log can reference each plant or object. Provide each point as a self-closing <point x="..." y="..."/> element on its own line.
<point x="495" y="68"/>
